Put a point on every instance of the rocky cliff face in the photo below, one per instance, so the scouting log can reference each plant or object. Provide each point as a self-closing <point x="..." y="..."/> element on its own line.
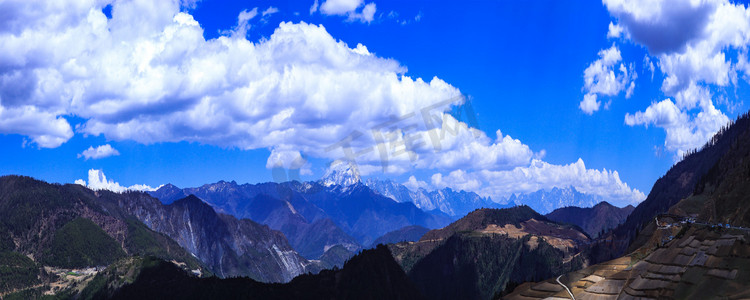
<point x="230" y="247"/>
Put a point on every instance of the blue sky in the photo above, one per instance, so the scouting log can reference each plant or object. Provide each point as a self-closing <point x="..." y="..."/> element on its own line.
<point x="522" y="64"/>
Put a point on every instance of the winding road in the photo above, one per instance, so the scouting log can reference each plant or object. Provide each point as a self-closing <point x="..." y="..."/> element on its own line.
<point x="566" y="288"/>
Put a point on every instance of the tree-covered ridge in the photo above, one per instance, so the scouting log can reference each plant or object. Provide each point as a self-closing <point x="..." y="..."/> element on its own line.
<point x="81" y="243"/>
<point x="17" y="271"/>
<point x="66" y="226"/>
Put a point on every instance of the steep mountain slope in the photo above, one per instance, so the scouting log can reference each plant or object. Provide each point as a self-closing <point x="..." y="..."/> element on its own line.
<point x="723" y="194"/>
<point x="594" y="220"/>
<point x="230" y="247"/>
<point x="677" y="184"/>
<point x="453" y="203"/>
<point x="373" y="274"/>
<point x="545" y="202"/>
<point x="407" y="234"/>
<point x="488" y="251"/>
<point x="699" y="250"/>
<point x="65" y="226"/>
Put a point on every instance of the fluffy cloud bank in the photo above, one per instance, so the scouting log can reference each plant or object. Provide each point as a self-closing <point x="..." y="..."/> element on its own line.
<point x="99" y="152"/>
<point x="698" y="45"/>
<point x="147" y="74"/>
<point x="97" y="181"/>
<point x="542" y="175"/>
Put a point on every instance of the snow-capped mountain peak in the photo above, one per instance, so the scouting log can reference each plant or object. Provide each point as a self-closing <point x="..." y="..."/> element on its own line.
<point x="342" y="174"/>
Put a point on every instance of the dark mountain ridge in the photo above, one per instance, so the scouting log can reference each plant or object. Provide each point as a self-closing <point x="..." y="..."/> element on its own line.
<point x="372" y="274"/>
<point x="488" y="251"/>
<point x="594" y="220"/>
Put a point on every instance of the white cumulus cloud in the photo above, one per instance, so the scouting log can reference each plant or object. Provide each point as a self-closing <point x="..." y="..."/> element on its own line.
<point x="97" y="181"/>
<point x="542" y="175"/>
<point x="99" y="152"/>
<point x="354" y="10"/>
<point x="698" y="45"/>
<point x="603" y="77"/>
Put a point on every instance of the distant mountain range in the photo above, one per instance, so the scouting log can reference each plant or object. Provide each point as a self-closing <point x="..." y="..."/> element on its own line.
<point x="340" y="209"/>
<point x="314" y="216"/>
<point x="280" y="206"/>
<point x="545" y="201"/>
<point x="455" y="204"/>
<point x="594" y="220"/>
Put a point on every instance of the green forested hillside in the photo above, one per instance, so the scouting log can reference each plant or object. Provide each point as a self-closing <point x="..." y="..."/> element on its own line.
<point x="65" y="226"/>
<point x="81" y="243"/>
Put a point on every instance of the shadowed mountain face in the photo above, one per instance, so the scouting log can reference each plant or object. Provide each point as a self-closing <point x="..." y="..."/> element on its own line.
<point x="230" y="247"/>
<point x="313" y="216"/>
<point x="489" y="250"/>
<point x="723" y="194"/>
<point x="594" y="220"/>
<point x="373" y="274"/>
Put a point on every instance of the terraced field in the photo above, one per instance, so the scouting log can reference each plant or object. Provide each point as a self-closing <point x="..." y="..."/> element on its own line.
<point x="704" y="263"/>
